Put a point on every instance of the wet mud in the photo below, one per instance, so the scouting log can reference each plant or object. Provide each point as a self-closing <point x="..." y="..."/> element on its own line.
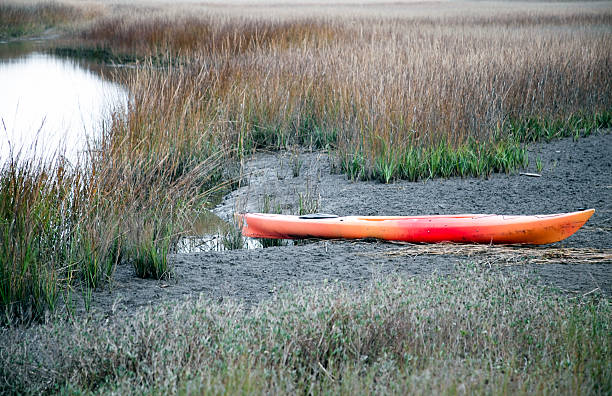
<point x="575" y="175"/>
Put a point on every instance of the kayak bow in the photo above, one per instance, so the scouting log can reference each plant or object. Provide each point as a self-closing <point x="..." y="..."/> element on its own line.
<point x="465" y="228"/>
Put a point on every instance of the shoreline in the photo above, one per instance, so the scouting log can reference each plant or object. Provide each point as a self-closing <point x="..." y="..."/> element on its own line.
<point x="574" y="171"/>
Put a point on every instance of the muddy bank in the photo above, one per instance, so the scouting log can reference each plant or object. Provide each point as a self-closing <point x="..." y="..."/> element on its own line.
<point x="575" y="175"/>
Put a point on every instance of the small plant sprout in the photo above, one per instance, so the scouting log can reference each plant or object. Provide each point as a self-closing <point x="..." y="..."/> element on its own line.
<point x="308" y="201"/>
<point x="296" y="161"/>
<point x="232" y="239"/>
<point x="539" y="165"/>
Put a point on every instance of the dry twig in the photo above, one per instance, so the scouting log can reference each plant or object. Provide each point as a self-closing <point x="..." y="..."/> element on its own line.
<point x="508" y="254"/>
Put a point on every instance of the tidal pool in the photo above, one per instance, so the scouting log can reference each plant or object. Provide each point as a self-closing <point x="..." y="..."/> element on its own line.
<point x="52" y="105"/>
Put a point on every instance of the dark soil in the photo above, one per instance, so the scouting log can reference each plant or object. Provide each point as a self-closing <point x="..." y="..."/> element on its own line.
<point x="575" y="175"/>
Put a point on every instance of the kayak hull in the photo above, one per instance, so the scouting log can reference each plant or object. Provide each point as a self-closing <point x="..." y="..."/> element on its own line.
<point x="466" y="228"/>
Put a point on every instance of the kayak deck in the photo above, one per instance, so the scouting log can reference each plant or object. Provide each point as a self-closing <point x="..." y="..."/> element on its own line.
<point x="462" y="228"/>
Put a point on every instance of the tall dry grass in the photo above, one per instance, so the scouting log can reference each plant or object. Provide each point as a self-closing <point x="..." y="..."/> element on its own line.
<point x="388" y="91"/>
<point x="395" y="95"/>
<point x="65" y="227"/>
<point x="25" y="18"/>
<point x="164" y="31"/>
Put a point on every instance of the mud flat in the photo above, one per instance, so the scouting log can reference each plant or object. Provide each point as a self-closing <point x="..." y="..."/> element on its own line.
<point x="575" y="175"/>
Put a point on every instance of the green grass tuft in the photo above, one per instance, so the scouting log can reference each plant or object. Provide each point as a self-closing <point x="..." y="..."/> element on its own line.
<point x="149" y="252"/>
<point x="580" y="124"/>
<point x="442" y="160"/>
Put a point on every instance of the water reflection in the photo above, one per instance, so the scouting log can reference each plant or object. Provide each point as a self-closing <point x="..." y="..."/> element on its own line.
<point x="212" y="243"/>
<point x="50" y="104"/>
<point x="53" y="105"/>
<point x="208" y="232"/>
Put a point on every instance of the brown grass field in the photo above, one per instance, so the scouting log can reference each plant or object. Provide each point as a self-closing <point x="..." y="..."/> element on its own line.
<point x="401" y="90"/>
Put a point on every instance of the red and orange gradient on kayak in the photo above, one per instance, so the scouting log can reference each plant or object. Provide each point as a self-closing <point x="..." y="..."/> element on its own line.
<point x="464" y="228"/>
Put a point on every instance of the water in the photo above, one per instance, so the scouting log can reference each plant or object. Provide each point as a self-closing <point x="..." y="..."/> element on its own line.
<point x="50" y="104"/>
<point x="209" y="232"/>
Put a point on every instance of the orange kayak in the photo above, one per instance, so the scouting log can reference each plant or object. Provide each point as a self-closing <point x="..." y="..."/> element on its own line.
<point x="466" y="228"/>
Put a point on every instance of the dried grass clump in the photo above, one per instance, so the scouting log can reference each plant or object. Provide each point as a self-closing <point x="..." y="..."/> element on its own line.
<point x="469" y="332"/>
<point x="403" y="92"/>
<point x="508" y="254"/>
<point x="179" y="34"/>
<point x="33" y="17"/>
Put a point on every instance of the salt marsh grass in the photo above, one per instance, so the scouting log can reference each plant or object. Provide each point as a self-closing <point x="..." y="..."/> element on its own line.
<point x="27" y="18"/>
<point x="396" y="91"/>
<point x="51" y="234"/>
<point x="464" y="333"/>
<point x="468" y="87"/>
<point x="66" y="226"/>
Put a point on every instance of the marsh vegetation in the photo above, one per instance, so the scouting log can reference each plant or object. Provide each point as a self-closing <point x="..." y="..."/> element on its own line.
<point x="392" y="92"/>
<point x="467" y="333"/>
<point x="411" y="95"/>
<point x="404" y="94"/>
